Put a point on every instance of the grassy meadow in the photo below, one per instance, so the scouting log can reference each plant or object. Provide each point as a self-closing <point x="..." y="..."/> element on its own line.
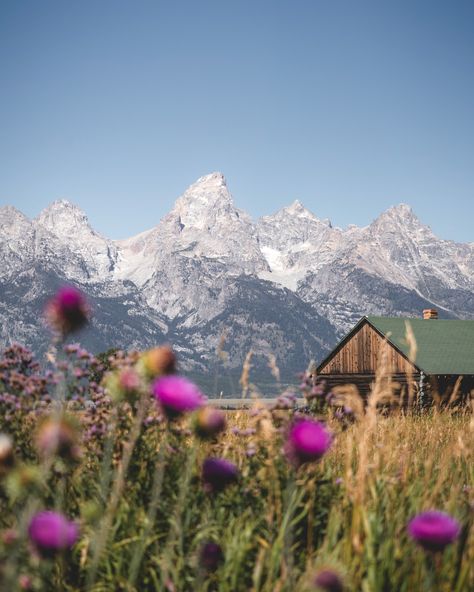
<point x="134" y="487"/>
<point x="107" y="483"/>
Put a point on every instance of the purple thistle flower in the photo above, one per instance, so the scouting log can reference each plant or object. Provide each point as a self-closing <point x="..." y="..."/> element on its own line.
<point x="177" y="395"/>
<point x="210" y="556"/>
<point x="329" y="581"/>
<point x="307" y="441"/>
<point x="218" y="473"/>
<point x="67" y="311"/>
<point x="51" y="532"/>
<point x="433" y="530"/>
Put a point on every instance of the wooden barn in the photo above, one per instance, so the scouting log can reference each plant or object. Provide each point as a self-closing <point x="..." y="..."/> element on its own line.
<point x="444" y="358"/>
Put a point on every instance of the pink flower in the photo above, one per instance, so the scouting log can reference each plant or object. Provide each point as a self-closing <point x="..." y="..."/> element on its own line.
<point x="67" y="311"/>
<point x="307" y="441"/>
<point x="51" y="532"/>
<point x="433" y="530"/>
<point x="177" y="395"/>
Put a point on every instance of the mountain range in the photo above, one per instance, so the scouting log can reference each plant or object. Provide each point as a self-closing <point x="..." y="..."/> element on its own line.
<point x="217" y="284"/>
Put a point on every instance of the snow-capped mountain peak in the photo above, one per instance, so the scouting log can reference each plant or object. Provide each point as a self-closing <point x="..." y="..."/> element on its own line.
<point x="207" y="267"/>
<point x="70" y="225"/>
<point x="204" y="203"/>
<point x="62" y="217"/>
<point x="10" y="216"/>
<point x="299" y="210"/>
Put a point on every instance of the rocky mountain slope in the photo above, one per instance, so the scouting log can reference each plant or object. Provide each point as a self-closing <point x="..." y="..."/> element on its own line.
<point x="287" y="285"/>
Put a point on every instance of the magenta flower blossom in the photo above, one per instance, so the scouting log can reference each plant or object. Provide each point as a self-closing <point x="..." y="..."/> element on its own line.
<point x="307" y="441"/>
<point x="51" y="532"/>
<point x="210" y="556"/>
<point x="218" y="473"/>
<point x="433" y="530"/>
<point x="67" y="311"/>
<point x="177" y="395"/>
<point x="328" y="581"/>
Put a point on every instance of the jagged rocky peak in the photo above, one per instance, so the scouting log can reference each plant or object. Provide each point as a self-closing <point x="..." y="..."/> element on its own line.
<point x="204" y="203"/>
<point x="62" y="215"/>
<point x="401" y="213"/>
<point x="298" y="209"/>
<point x="70" y="225"/>
<point x="9" y="215"/>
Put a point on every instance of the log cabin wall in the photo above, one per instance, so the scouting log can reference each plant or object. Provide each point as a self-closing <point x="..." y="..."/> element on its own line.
<point x="363" y="354"/>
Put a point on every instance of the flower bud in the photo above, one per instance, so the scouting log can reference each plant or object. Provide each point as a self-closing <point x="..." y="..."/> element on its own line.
<point x="218" y="473"/>
<point x="158" y="361"/>
<point x="209" y="422"/>
<point x="67" y="311"/>
<point x="58" y="436"/>
<point x="327" y="580"/>
<point x="123" y="384"/>
<point x="210" y="556"/>
<point x="7" y="458"/>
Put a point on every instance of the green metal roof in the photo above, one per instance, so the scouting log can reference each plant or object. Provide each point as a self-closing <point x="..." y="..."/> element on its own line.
<point x="443" y="346"/>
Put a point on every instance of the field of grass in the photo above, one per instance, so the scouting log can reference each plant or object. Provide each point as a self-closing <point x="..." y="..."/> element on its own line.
<point x="132" y="482"/>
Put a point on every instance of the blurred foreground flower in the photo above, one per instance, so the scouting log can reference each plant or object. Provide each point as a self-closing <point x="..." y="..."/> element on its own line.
<point x="67" y="311"/>
<point x="307" y="441"/>
<point x="6" y="454"/>
<point x="218" y="473"/>
<point x="25" y="582"/>
<point x="328" y="580"/>
<point x="58" y="436"/>
<point x="123" y="384"/>
<point x="158" y="361"/>
<point x="433" y="530"/>
<point x="51" y="532"/>
<point x="210" y="556"/>
<point x="209" y="422"/>
<point x="177" y="395"/>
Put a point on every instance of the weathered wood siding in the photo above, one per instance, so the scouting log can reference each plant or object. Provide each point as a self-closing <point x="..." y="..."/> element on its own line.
<point x="363" y="354"/>
<point x="364" y="382"/>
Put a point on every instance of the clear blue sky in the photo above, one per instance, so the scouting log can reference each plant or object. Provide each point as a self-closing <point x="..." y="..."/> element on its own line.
<point x="348" y="106"/>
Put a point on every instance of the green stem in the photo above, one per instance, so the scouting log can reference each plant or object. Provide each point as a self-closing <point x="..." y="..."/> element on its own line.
<point x="152" y="511"/>
<point x="175" y="532"/>
<point x="119" y="483"/>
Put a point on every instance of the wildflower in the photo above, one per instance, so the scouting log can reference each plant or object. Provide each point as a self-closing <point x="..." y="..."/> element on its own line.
<point x="25" y="582"/>
<point x="122" y="384"/>
<point x="210" y="556"/>
<point x="209" y="422"/>
<point x="58" y="436"/>
<point x="307" y="441"/>
<point x="51" y="532"/>
<point x="433" y="530"/>
<point x="218" y="473"/>
<point x="177" y="395"/>
<point x="158" y="361"/>
<point x="328" y="580"/>
<point x="6" y="453"/>
<point x="67" y="311"/>
<point x="9" y="536"/>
